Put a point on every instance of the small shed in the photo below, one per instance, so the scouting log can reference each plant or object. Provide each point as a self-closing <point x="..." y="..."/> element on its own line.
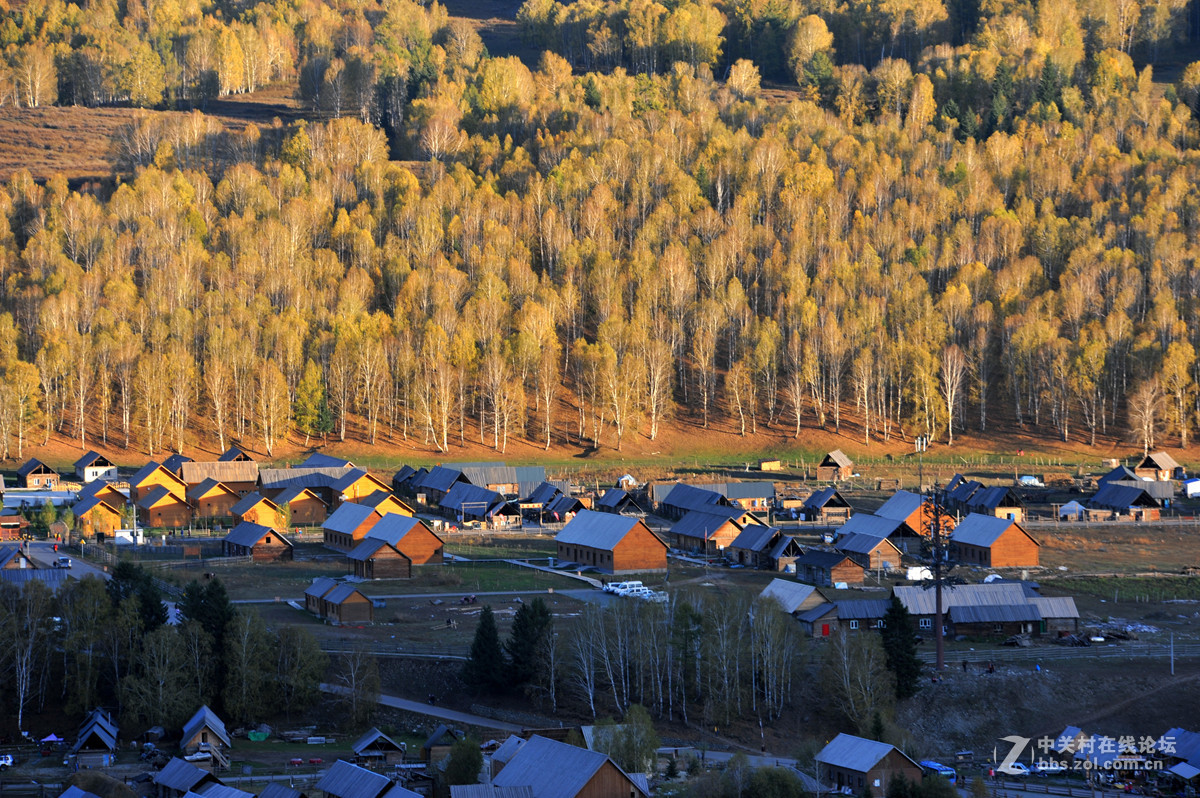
<point x="36" y="474"/>
<point x="835" y="466"/>
<point x="377" y="559"/>
<point x="827" y="568"/>
<point x="1071" y="511"/>
<point x="235" y="454"/>
<point x="96" y="741"/>
<point x="618" y="500"/>
<point x="12" y="558"/>
<point x="1159" y="466"/>
<point x="793" y="597"/>
<point x="205" y="731"/>
<point x="178" y="778"/>
<point x="438" y="745"/>
<point x="783" y="554"/>
<point x="707" y="532"/>
<point x="315" y="592"/>
<point x="826" y="506"/>
<point x="770" y="465"/>
<point x="377" y="748"/>
<point x="752" y="547"/>
<point x="346" y="605"/>
<point x="260" y="543"/>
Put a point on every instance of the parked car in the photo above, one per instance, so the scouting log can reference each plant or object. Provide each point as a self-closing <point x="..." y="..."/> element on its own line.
<point x="6" y="761"/>
<point x="637" y="592"/>
<point x="1018" y="769"/>
<point x="621" y="588"/>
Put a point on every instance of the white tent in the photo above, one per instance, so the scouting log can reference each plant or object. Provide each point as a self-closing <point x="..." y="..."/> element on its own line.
<point x="1071" y="511"/>
<point x="1191" y="488"/>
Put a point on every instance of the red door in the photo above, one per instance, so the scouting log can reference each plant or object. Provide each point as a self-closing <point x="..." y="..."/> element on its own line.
<point x="824" y="630"/>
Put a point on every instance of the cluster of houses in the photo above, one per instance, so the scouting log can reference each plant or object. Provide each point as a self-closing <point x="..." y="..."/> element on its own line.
<point x="995" y="609"/>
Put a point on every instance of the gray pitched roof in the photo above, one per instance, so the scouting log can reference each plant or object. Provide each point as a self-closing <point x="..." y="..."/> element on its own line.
<point x="825" y="496"/>
<point x="247" y="502"/>
<point x="543" y="494"/>
<point x="1118" y="474"/>
<point x="994" y="497"/>
<point x="318" y="460"/>
<point x="205" y="717"/>
<point x="596" y="530"/>
<point x="283" y="478"/>
<point x="856" y="753"/>
<point x="52" y="578"/>
<point x="754" y="537"/>
<point x="34" y="464"/>
<point x="368" y="548"/>
<point x="89" y="503"/>
<point x="868" y="524"/>
<point x="75" y="792"/>
<point x="690" y="497"/>
<point x="508" y="748"/>
<point x="994" y="613"/>
<point x="861" y="543"/>
<point x="320" y="586"/>
<point x="1159" y="460"/>
<point x="741" y="490"/>
<point x="374" y="738"/>
<point x="345" y="780"/>
<point x="234" y="453"/>
<point x="438" y="733"/>
<point x="248" y="533"/>
<point x="563" y="504"/>
<point x="490" y="791"/>
<point x="838" y="458"/>
<point x="980" y="530"/>
<point x="440" y="478"/>
<point x="341" y="593"/>
<point x="1055" y="606"/>
<point x="782" y="546"/>
<point x="203" y="487"/>
<point x="900" y="506"/>
<point x="1112" y="496"/>
<point x="348" y="517"/>
<point x="615" y="498"/>
<point x="554" y="769"/>
<point x="182" y="776"/>
<point x="467" y="498"/>
<point x="703" y="524"/>
<point x="279" y="790"/>
<point x="227" y="471"/>
<point x="921" y="601"/>
<point x="289" y="495"/>
<point x="175" y="462"/>
<point x="394" y="527"/>
<point x="100" y="726"/>
<point x="821" y="559"/>
<point x="92" y="458"/>
<point x="790" y="595"/>
<point x="157" y="493"/>
<point x="862" y="609"/>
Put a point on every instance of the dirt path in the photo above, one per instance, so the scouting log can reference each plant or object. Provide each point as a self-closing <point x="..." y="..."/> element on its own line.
<point x="432" y="710"/>
<point x="1113" y="709"/>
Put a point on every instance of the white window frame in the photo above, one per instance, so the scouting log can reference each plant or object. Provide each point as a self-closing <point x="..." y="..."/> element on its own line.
<point x="926" y="623"/>
<point x="854" y="624"/>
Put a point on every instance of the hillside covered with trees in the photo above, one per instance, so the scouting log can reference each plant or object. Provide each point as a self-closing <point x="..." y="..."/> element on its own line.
<point x="964" y="211"/>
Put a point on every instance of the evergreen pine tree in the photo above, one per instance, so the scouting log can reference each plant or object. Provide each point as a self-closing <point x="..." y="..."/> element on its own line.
<point x="484" y="670"/>
<point x="900" y="647"/>
<point x="524" y="649"/>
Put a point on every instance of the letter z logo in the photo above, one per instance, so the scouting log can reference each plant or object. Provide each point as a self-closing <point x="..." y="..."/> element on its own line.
<point x="1018" y="746"/>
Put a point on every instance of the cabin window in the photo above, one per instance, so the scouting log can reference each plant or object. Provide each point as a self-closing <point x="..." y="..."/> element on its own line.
<point x="997" y="627"/>
<point x="926" y="623"/>
<point x="879" y="623"/>
<point x="854" y="624"/>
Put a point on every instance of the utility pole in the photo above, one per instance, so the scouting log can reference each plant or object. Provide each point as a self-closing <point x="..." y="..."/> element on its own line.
<point x="933" y="504"/>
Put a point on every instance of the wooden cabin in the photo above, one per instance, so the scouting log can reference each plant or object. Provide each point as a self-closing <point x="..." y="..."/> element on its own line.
<point x="151" y="476"/>
<point x="212" y="499"/>
<point x="615" y="544"/>
<point x="163" y="509"/>
<point x="411" y="537"/>
<point x="991" y="542"/>
<point x="348" y="525"/>
<point x="258" y="509"/>
<point x="377" y="559"/>
<point x="36" y="474"/>
<point x="835" y="466"/>
<point x="260" y="543"/>
<point x="305" y="506"/>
